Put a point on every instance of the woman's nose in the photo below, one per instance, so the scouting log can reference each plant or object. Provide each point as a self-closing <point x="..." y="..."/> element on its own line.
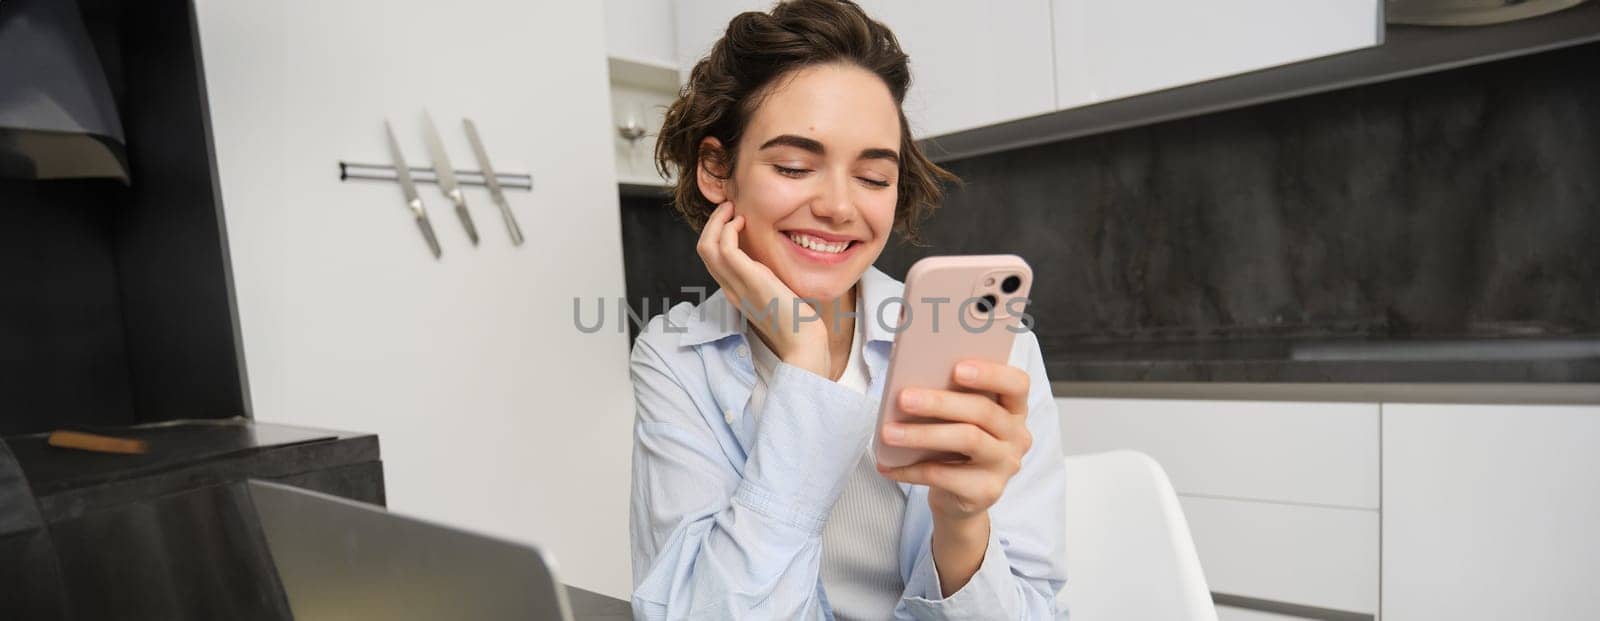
<point x="833" y="200"/>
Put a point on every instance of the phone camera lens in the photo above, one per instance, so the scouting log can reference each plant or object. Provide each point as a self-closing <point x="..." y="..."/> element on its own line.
<point x="986" y="303"/>
<point x="1011" y="284"/>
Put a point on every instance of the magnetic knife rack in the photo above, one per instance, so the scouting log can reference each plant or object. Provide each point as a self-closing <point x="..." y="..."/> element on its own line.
<point x="425" y="174"/>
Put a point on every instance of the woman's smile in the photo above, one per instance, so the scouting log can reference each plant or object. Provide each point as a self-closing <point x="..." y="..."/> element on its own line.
<point x="821" y="248"/>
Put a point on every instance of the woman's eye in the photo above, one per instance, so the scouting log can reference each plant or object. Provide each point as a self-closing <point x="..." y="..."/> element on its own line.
<point x="790" y="172"/>
<point x="874" y="182"/>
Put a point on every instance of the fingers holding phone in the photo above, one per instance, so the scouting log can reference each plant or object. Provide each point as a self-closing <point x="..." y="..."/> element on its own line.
<point x="984" y="432"/>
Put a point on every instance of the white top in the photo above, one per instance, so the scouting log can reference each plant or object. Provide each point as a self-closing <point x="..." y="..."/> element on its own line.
<point x="861" y="541"/>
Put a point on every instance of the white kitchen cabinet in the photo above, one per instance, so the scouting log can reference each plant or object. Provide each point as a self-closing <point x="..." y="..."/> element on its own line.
<point x="1491" y="512"/>
<point x="1297" y="554"/>
<point x="1109" y="49"/>
<point x="1309" y="453"/>
<point x="641" y="31"/>
<point x="1282" y="498"/>
<point x="697" y="24"/>
<point x="972" y="63"/>
<point x="976" y="64"/>
<point x="1484" y="511"/>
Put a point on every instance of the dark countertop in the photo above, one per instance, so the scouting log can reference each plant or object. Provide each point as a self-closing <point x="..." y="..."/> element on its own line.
<point x="1550" y="360"/>
<point x="170" y="533"/>
<point x="186" y="454"/>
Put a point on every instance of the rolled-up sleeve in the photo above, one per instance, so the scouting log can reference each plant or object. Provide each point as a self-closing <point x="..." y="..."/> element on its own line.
<point x="709" y="543"/>
<point x="1024" y="566"/>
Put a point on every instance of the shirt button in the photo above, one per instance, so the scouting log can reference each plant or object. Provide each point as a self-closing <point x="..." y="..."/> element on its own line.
<point x="743" y="351"/>
<point x="727" y="416"/>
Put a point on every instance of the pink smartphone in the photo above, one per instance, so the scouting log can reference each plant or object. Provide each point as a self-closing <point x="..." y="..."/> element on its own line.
<point x="956" y="308"/>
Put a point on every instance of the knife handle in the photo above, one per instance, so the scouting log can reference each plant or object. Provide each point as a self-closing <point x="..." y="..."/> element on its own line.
<point x="428" y="236"/>
<point x="466" y="222"/>
<point x="511" y="222"/>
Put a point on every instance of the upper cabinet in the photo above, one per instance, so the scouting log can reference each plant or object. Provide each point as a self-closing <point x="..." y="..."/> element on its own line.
<point x="976" y="64"/>
<point x="641" y="31"/>
<point x="699" y="23"/>
<point x="972" y="63"/>
<point x="1108" y="49"/>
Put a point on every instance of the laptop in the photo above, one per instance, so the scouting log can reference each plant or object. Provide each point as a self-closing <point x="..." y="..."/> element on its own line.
<point x="342" y="559"/>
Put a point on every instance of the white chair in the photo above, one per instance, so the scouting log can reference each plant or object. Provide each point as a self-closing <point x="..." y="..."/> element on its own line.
<point x="1129" y="554"/>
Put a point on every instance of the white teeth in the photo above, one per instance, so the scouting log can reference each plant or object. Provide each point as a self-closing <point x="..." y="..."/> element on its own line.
<point x="818" y="245"/>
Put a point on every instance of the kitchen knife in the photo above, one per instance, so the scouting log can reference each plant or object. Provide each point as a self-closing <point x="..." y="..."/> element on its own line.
<point x="447" y="176"/>
<point x="489" y="179"/>
<point x="414" y="202"/>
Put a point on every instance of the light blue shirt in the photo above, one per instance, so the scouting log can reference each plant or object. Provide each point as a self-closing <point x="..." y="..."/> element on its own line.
<point x="728" y="505"/>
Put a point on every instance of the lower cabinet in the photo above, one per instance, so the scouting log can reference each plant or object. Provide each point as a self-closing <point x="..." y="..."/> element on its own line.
<point x="1320" y="454"/>
<point x="1319" y="557"/>
<point x="1281" y="497"/>
<point x="1491" y="512"/>
<point x="1404" y="512"/>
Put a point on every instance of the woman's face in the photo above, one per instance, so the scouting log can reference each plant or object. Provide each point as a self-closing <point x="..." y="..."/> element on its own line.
<point x="816" y="178"/>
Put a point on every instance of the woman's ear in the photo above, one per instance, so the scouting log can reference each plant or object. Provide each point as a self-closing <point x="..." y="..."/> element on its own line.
<point x="712" y="172"/>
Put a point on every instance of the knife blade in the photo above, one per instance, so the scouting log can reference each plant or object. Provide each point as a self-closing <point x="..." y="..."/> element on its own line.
<point x="409" y="189"/>
<point x="495" y="193"/>
<point x="447" y="176"/>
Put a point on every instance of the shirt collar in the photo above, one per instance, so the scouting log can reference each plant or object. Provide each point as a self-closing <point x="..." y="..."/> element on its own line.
<point x="715" y="318"/>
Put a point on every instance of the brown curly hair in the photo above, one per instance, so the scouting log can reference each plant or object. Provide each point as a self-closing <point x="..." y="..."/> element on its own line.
<point x="725" y="88"/>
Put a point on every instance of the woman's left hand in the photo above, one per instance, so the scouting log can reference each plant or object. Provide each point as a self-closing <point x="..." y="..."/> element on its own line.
<point x="989" y="432"/>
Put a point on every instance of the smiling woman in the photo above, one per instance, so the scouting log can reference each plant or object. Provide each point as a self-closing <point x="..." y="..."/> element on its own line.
<point x="827" y="135"/>
<point x="726" y="88"/>
<point x="754" y="492"/>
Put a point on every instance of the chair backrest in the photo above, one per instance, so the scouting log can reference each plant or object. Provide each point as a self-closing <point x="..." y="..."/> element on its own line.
<point x="1129" y="553"/>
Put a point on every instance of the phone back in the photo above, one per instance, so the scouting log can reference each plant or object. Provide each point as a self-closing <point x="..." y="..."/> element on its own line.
<point x="956" y="308"/>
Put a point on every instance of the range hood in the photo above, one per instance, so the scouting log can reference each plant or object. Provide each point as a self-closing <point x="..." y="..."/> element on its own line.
<point x="58" y="119"/>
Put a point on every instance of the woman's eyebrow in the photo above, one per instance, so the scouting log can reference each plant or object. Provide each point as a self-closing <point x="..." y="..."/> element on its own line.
<point x="801" y="142"/>
<point x="798" y="142"/>
<point x="880" y="154"/>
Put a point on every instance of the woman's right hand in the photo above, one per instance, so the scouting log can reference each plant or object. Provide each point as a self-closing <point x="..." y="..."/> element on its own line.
<point x="760" y="295"/>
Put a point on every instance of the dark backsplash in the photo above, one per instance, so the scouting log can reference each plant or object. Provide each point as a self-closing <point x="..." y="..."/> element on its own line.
<point x="1462" y="205"/>
<point x="658" y="256"/>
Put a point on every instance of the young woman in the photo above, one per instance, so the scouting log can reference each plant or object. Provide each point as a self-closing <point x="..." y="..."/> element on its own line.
<point x="754" y="492"/>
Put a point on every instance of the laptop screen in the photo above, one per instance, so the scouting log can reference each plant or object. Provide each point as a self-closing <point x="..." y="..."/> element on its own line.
<point x="341" y="559"/>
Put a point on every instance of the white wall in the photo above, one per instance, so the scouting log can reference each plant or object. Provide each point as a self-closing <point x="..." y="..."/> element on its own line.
<point x="493" y="411"/>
